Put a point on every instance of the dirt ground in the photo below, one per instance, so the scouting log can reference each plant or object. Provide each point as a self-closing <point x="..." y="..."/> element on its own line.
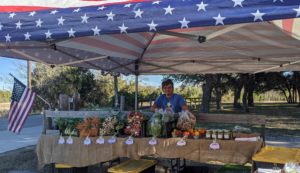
<point x="20" y="159"/>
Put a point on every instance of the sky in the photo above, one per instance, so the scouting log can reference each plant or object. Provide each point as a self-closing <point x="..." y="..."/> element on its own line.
<point x="13" y="66"/>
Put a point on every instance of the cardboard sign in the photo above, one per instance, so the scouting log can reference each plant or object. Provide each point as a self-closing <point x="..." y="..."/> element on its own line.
<point x="214" y="146"/>
<point x="181" y="143"/>
<point x="70" y="140"/>
<point x="152" y="141"/>
<point x="100" y="140"/>
<point x="87" y="141"/>
<point x="112" y="140"/>
<point x="61" y="140"/>
<point x="129" y="141"/>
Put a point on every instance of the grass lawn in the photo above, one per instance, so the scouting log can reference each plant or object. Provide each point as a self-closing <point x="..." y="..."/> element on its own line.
<point x="282" y="118"/>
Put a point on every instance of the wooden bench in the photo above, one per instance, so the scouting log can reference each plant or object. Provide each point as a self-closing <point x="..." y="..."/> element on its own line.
<point x="244" y="119"/>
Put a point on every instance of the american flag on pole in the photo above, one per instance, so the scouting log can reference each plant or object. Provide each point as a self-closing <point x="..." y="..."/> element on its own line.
<point x="21" y="103"/>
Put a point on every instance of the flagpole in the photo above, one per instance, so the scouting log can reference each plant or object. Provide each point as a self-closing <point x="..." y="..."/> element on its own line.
<point x="47" y="103"/>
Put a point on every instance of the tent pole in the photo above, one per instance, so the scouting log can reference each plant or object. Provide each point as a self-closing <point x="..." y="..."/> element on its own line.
<point x="29" y="74"/>
<point x="136" y="93"/>
<point x="116" y="90"/>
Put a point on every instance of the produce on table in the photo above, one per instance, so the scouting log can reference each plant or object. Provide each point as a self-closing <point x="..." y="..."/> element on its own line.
<point x="186" y="120"/>
<point x="155" y="125"/>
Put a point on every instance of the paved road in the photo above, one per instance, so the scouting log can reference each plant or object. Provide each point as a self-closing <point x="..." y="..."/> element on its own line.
<point x="29" y="135"/>
<point x="32" y="121"/>
<point x="11" y="141"/>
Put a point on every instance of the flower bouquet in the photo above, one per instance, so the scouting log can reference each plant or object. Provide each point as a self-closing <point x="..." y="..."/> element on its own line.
<point x="111" y="126"/>
<point x="134" y="126"/>
<point x="89" y="127"/>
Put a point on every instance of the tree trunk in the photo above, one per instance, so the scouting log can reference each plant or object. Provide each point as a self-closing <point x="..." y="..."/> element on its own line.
<point x="297" y="79"/>
<point x="294" y="93"/>
<point x="116" y="104"/>
<point x="245" y="94"/>
<point x="298" y="95"/>
<point x="250" y="91"/>
<point x="207" y="89"/>
<point x="284" y="93"/>
<point x="289" y="92"/>
<point x="237" y="93"/>
<point x="218" y="93"/>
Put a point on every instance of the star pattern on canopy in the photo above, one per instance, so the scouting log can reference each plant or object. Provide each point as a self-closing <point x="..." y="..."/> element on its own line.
<point x="148" y="16"/>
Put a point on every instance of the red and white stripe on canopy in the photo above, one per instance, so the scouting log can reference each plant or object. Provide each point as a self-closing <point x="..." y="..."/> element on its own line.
<point x="243" y="48"/>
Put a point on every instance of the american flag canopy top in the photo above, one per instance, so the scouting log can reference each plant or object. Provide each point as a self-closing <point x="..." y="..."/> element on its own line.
<point x="25" y="20"/>
<point x="136" y="36"/>
<point x="21" y="103"/>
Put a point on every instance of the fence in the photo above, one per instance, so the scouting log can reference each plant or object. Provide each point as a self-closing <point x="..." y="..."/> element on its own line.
<point x="192" y="103"/>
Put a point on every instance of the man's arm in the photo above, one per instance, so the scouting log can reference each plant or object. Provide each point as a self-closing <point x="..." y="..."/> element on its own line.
<point x="183" y="104"/>
<point x="154" y="106"/>
<point x="184" y="107"/>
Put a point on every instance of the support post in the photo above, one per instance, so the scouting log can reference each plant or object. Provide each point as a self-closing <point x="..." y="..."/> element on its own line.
<point x="116" y="91"/>
<point x="29" y="74"/>
<point x="136" y="93"/>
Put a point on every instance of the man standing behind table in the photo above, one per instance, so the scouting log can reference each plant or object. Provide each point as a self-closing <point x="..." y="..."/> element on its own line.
<point x="169" y="98"/>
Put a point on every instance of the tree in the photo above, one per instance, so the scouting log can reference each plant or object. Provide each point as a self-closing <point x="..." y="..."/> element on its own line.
<point x="50" y="82"/>
<point x="286" y="83"/>
<point x="236" y="82"/>
<point x="5" y="96"/>
<point x="297" y="81"/>
<point x="207" y="89"/>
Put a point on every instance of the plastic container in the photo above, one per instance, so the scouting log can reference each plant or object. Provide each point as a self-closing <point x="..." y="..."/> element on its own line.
<point x="134" y="166"/>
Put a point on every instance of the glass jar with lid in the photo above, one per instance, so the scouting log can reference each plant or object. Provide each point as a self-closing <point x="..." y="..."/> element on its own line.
<point x="220" y="134"/>
<point x="226" y="134"/>
<point x="208" y="134"/>
<point x="214" y="134"/>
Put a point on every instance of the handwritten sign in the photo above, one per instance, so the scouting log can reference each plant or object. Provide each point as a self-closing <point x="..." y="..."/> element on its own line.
<point x="181" y="143"/>
<point x="100" y="140"/>
<point x="87" y="141"/>
<point x="61" y="140"/>
<point x="70" y="140"/>
<point x="112" y="140"/>
<point x="129" y="141"/>
<point x="152" y="141"/>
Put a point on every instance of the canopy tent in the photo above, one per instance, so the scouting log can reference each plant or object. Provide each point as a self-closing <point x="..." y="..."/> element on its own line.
<point x="184" y="37"/>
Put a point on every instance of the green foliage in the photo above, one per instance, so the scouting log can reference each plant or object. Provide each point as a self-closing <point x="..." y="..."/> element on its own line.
<point x="5" y="96"/>
<point x="50" y="82"/>
<point x="70" y="123"/>
<point x="145" y="93"/>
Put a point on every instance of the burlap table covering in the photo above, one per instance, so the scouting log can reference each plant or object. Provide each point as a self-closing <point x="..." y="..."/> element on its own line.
<point x="77" y="154"/>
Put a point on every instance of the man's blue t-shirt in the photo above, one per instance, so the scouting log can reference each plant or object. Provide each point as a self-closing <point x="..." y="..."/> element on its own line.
<point x="176" y="102"/>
